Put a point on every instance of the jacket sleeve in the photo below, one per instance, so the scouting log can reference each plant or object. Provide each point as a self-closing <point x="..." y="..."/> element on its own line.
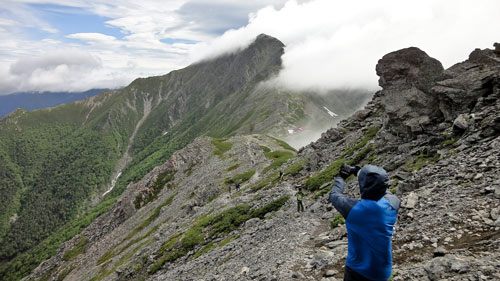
<point x="393" y="199"/>
<point x="340" y="201"/>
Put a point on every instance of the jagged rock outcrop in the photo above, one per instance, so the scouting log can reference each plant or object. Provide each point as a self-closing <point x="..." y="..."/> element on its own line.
<point x="407" y="77"/>
<point x="468" y="83"/>
<point x="443" y="164"/>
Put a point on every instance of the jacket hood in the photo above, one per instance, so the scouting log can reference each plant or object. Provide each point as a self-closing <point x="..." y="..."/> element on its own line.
<point x="373" y="182"/>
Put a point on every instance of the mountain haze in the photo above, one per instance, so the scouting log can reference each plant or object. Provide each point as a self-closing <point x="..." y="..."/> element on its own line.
<point x="34" y="100"/>
<point x="64" y="166"/>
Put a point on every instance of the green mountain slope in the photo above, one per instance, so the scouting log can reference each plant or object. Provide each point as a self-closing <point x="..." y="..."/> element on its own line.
<point x="59" y="165"/>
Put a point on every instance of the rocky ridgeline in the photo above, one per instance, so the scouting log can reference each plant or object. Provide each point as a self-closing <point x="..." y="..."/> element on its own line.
<point x="437" y="133"/>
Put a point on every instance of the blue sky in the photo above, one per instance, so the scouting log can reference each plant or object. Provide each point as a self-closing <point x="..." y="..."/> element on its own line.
<point x="74" y="45"/>
<point x="69" y="20"/>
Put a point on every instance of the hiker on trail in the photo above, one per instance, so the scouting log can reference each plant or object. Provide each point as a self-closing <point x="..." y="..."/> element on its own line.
<point x="237" y="186"/>
<point x="369" y="221"/>
<point x="299" y="195"/>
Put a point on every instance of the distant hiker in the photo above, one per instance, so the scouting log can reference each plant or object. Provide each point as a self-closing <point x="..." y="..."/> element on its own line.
<point x="280" y="176"/>
<point x="237" y="186"/>
<point x="369" y="222"/>
<point x="299" y="195"/>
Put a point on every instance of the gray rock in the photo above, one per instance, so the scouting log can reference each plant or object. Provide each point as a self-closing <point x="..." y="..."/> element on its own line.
<point x="252" y="222"/>
<point x="316" y="207"/>
<point x="330" y="273"/>
<point x="440" y="251"/>
<point x="335" y="244"/>
<point x="461" y="123"/>
<point x="411" y="201"/>
<point x="495" y="213"/>
<point x="407" y="77"/>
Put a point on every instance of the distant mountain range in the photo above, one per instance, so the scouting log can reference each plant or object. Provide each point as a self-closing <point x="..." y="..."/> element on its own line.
<point x="37" y="100"/>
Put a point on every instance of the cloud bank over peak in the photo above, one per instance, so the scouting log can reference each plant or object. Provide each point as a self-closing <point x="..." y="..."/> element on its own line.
<point x="336" y="44"/>
<point x="330" y="44"/>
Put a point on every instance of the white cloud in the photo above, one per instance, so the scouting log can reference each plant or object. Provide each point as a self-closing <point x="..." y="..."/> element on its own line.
<point x="329" y="43"/>
<point x="332" y="43"/>
<point x="138" y="53"/>
<point x="64" y="70"/>
<point x="94" y="38"/>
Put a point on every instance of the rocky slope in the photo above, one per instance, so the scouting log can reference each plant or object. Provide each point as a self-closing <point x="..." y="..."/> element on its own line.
<point x="437" y="133"/>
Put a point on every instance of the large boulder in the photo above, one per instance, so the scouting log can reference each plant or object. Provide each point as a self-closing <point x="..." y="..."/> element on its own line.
<point x="407" y="77"/>
<point x="466" y="82"/>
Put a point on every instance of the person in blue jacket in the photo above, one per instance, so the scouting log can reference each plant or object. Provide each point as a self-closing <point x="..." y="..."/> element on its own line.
<point x="369" y="221"/>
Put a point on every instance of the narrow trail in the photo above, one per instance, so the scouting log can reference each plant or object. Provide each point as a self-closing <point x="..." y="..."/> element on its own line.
<point x="126" y="158"/>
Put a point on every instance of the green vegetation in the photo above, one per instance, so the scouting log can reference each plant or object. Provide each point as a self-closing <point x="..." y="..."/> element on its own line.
<point x="420" y="161"/>
<point x="295" y="168"/>
<point x="47" y="275"/>
<point x="54" y="162"/>
<point x="156" y="213"/>
<point x="321" y="192"/>
<point x="270" y="207"/>
<point x="234" y="167"/>
<point x="278" y="157"/>
<point x="368" y="136"/>
<point x="284" y="144"/>
<point x="53" y="168"/>
<point x="104" y="272"/>
<point x="221" y="146"/>
<point x="78" y="249"/>
<point x="450" y="142"/>
<point x="267" y="182"/>
<point x="67" y="270"/>
<point x="209" y="227"/>
<point x="226" y="241"/>
<point x="189" y="170"/>
<point x="316" y="181"/>
<point x="361" y="155"/>
<point x="211" y="245"/>
<point x="337" y="220"/>
<point x="156" y="188"/>
<point x="265" y="148"/>
<point x="24" y="263"/>
<point x="240" y="178"/>
<point x="393" y="189"/>
<point x="207" y="248"/>
<point x="192" y="237"/>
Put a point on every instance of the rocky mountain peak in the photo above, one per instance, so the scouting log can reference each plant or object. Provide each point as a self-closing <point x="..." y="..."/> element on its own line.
<point x="418" y="93"/>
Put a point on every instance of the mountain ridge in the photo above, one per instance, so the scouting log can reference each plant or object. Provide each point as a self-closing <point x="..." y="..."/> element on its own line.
<point x="67" y="165"/>
<point x="442" y="165"/>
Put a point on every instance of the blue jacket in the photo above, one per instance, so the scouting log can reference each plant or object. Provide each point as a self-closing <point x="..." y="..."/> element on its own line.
<point x="369" y="222"/>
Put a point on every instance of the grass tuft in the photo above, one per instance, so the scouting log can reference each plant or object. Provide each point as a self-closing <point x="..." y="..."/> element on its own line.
<point x="240" y="178"/>
<point x="77" y="250"/>
<point x="221" y="146"/>
<point x="279" y="158"/>
<point x="337" y="220"/>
